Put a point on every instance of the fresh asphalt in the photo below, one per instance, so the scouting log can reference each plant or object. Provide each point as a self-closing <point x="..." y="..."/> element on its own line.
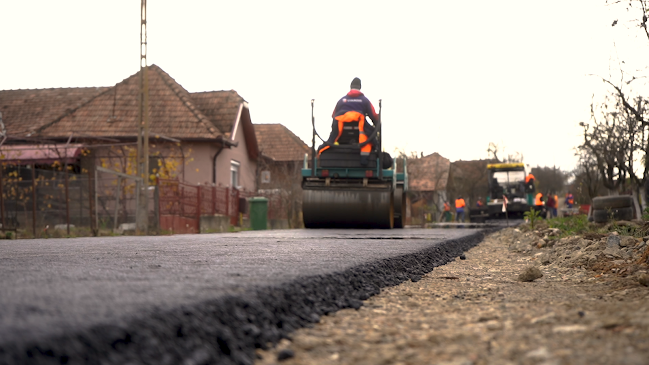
<point x="194" y="299"/>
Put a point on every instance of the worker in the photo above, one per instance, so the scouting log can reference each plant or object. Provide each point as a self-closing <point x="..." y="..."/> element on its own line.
<point x="353" y="108"/>
<point x="447" y="212"/>
<point x="570" y="200"/>
<point x="552" y="205"/>
<point x="459" y="209"/>
<point x="529" y="178"/>
<point x="479" y="203"/>
<point x="539" y="199"/>
<point x="529" y="183"/>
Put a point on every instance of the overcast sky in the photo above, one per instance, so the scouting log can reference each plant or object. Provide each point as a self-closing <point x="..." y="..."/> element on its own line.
<point x="453" y="75"/>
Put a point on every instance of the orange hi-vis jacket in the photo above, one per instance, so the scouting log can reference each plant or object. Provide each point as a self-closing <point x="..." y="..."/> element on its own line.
<point x="528" y="178"/>
<point x="459" y="203"/>
<point x="539" y="199"/>
<point x="353" y="117"/>
<point x="447" y="207"/>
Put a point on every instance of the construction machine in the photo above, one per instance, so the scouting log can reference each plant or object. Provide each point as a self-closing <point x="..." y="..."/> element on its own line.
<point x="505" y="181"/>
<point x="339" y="191"/>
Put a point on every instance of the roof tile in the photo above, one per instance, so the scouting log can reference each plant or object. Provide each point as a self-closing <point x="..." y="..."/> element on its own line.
<point x="279" y="143"/>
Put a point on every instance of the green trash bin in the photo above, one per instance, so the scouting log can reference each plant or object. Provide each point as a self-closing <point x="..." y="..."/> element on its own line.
<point x="258" y="213"/>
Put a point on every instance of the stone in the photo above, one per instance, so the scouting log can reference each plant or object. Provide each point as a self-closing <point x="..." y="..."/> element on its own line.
<point x="462" y="257"/>
<point x="644" y="279"/>
<point x="613" y="252"/>
<point x="570" y="328"/>
<point x="628" y="241"/>
<point x="613" y="240"/>
<point x="285" y="354"/>
<point x="530" y="273"/>
<point x="541" y="353"/>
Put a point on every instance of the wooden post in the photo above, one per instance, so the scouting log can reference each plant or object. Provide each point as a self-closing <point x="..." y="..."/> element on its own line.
<point x="227" y="201"/>
<point x="67" y="198"/>
<point x="34" y="199"/>
<point x="2" y="199"/>
<point x="91" y="202"/>
<point x="198" y="209"/>
<point x="117" y="193"/>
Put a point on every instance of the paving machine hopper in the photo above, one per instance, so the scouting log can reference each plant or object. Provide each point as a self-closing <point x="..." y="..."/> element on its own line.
<point x="340" y="192"/>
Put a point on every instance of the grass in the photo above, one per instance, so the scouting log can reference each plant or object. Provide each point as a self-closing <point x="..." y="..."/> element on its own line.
<point x="579" y="225"/>
<point x="572" y="225"/>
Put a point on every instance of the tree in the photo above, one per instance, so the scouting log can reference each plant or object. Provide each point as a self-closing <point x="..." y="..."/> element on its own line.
<point x="588" y="181"/>
<point x="618" y="137"/>
<point x="549" y="179"/>
<point x="495" y="148"/>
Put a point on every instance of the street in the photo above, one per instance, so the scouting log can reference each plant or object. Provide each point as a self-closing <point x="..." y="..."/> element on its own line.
<point x="196" y="298"/>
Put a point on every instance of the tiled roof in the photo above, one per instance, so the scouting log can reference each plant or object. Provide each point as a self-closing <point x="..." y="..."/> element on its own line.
<point x="429" y="173"/>
<point x="221" y="107"/>
<point x="279" y="143"/>
<point x="114" y="113"/>
<point x="23" y="111"/>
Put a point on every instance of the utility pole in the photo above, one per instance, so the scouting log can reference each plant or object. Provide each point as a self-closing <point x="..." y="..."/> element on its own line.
<point x="142" y="215"/>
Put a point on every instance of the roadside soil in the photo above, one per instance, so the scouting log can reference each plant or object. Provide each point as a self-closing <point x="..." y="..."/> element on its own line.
<point x="589" y="307"/>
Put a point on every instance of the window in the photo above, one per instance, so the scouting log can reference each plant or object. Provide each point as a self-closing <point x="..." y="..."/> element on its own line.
<point x="234" y="173"/>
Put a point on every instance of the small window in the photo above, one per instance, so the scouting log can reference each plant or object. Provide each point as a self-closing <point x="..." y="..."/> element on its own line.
<point x="234" y="173"/>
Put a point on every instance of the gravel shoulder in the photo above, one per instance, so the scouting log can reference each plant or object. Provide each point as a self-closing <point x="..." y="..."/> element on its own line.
<point x="589" y="307"/>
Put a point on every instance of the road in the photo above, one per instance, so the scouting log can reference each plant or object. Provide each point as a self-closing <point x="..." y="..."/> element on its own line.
<point x="196" y="298"/>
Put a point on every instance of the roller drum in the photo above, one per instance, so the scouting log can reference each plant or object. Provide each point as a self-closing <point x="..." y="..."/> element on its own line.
<point x="399" y="207"/>
<point x="354" y="208"/>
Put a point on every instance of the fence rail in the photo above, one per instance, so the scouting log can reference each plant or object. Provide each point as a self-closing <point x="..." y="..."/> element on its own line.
<point x="39" y="200"/>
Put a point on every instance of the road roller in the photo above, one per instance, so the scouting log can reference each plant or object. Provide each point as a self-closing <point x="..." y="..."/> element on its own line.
<point x="342" y="190"/>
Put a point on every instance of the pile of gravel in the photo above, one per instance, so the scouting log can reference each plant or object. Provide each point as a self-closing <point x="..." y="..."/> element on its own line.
<point x="603" y="253"/>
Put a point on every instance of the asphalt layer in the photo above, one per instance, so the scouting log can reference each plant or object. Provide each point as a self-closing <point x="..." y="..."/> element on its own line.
<point x="196" y="299"/>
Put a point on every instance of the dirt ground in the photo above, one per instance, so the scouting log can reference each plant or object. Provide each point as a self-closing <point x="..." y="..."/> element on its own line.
<point x="589" y="307"/>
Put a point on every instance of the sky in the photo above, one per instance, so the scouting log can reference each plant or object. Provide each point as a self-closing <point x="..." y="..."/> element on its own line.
<point x="453" y="76"/>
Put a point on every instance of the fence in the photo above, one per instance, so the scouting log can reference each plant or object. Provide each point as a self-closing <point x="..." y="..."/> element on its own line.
<point x="39" y="200"/>
<point x="181" y="205"/>
<point x="36" y="199"/>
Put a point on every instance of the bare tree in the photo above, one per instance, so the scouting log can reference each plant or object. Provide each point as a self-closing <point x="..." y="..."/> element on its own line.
<point x="618" y="137"/>
<point x="588" y="181"/>
<point x="616" y="141"/>
<point x="550" y="179"/>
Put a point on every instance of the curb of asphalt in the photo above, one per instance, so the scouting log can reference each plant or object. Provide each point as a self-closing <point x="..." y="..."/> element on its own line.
<point x="228" y="329"/>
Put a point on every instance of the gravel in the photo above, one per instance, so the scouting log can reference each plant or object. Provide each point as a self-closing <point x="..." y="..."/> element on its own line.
<point x="589" y="307"/>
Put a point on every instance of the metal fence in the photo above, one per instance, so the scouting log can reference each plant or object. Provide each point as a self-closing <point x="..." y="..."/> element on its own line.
<point x="39" y="201"/>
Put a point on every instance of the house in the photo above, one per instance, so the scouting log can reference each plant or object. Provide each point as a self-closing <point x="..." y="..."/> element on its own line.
<point x="208" y="136"/>
<point x="279" y="168"/>
<point x="428" y="177"/>
<point x="204" y="138"/>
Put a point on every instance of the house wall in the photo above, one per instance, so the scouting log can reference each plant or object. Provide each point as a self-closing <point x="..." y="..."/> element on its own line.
<point x="247" y="170"/>
<point x="198" y="169"/>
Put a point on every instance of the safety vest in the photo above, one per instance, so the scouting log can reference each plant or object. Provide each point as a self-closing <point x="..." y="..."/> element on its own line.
<point x="447" y="207"/>
<point x="528" y="178"/>
<point x="459" y="203"/>
<point x="539" y="199"/>
<point x="353" y="117"/>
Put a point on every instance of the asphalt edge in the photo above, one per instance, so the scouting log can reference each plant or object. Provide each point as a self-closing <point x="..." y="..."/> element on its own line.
<point x="229" y="329"/>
